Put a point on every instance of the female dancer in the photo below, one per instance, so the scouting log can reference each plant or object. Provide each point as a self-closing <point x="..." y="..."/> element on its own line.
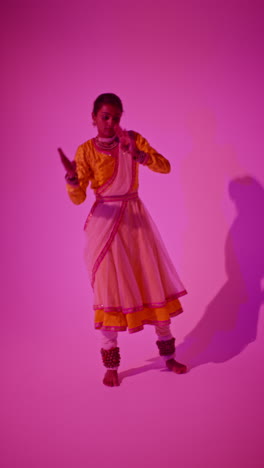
<point x="133" y="278"/>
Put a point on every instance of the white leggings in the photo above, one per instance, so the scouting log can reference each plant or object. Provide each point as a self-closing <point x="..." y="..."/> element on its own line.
<point x="109" y="339"/>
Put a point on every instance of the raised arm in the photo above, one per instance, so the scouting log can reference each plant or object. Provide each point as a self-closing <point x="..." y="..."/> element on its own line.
<point x="152" y="159"/>
<point x="78" y="173"/>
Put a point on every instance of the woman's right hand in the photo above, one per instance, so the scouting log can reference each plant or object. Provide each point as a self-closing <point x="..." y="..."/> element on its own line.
<point x="70" y="166"/>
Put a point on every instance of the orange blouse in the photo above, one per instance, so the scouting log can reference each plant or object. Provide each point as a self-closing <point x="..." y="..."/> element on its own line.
<point x="96" y="167"/>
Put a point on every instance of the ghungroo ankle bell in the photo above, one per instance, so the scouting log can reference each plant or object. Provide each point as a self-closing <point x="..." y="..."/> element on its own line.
<point x="111" y="357"/>
<point x="166" y="348"/>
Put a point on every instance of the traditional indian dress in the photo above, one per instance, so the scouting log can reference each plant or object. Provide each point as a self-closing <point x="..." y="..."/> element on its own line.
<point x="133" y="278"/>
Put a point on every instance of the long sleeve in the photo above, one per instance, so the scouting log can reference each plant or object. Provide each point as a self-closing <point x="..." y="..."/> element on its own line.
<point x="77" y="193"/>
<point x="154" y="161"/>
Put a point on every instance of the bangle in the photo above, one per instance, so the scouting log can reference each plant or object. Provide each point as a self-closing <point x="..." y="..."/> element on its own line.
<point x="72" y="180"/>
<point x="141" y="157"/>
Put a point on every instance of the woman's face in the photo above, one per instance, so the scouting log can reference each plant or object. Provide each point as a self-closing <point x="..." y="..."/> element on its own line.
<point x="106" y="119"/>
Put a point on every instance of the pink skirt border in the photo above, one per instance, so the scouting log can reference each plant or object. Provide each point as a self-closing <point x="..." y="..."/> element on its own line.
<point x="130" y="310"/>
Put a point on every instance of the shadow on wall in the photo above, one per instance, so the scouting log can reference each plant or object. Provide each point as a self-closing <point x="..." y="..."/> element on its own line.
<point x="231" y="318"/>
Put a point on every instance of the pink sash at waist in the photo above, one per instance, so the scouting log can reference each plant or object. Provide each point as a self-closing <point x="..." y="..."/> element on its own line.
<point x="113" y="198"/>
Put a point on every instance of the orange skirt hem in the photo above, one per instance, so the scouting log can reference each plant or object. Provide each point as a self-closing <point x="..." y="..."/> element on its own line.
<point x="134" y="322"/>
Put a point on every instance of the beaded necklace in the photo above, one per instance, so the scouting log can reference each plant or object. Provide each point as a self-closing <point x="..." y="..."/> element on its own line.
<point x="107" y="143"/>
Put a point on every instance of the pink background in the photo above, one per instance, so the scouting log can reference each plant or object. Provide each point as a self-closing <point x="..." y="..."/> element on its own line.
<point x="190" y="74"/>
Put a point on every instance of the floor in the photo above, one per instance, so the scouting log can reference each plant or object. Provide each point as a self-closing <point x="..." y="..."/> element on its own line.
<point x="57" y="413"/>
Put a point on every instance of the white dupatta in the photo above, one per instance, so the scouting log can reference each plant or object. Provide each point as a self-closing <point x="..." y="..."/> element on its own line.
<point x="106" y="214"/>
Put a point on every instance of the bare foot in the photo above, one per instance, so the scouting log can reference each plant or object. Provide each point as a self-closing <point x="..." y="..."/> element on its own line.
<point x="111" y="378"/>
<point x="176" y="367"/>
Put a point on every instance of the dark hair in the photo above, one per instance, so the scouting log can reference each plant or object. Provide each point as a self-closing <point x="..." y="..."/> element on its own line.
<point x="107" y="98"/>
